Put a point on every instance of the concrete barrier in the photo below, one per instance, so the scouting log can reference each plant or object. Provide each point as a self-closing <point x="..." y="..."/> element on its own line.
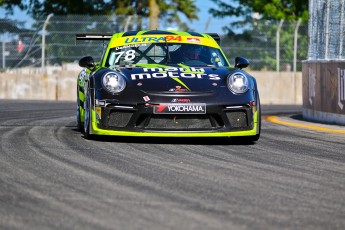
<point x="324" y="91"/>
<point x="274" y="88"/>
<point x="58" y="86"/>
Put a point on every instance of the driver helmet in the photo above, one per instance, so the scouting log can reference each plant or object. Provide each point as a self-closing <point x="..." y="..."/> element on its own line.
<point x="191" y="51"/>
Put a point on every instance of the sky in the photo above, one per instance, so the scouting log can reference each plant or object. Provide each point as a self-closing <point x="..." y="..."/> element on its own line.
<point x="215" y="24"/>
<point x="200" y="25"/>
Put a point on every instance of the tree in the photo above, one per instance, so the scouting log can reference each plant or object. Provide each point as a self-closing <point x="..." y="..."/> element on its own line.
<point x="256" y="26"/>
<point x="168" y="10"/>
<point x="9" y="5"/>
<point x="154" y="14"/>
<point x="289" y="10"/>
<point x="96" y="16"/>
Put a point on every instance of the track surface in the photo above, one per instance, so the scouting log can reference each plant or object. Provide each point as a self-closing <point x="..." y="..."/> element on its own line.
<point x="53" y="178"/>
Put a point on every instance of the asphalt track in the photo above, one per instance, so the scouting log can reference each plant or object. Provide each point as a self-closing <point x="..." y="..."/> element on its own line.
<point x="53" y="178"/>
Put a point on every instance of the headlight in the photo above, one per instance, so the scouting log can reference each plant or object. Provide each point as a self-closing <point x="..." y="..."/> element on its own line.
<point x="114" y="82"/>
<point x="238" y="83"/>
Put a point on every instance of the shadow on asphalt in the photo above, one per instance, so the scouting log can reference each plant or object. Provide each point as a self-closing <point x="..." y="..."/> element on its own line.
<point x="170" y="140"/>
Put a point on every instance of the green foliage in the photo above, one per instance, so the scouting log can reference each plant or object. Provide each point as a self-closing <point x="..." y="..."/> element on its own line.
<point x="39" y="9"/>
<point x="256" y="33"/>
<point x="57" y="53"/>
<point x="289" y="10"/>
<point x="258" y="44"/>
<point x="9" y="5"/>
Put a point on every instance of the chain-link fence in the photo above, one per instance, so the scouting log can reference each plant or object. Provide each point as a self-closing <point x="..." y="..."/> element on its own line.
<point x="257" y="41"/>
<point x="326" y="30"/>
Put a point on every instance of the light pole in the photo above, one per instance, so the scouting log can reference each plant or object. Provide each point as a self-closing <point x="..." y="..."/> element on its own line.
<point x="44" y="43"/>
<point x="4" y="54"/>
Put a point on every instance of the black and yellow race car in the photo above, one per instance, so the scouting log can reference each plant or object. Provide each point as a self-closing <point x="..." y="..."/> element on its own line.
<point x="166" y="84"/>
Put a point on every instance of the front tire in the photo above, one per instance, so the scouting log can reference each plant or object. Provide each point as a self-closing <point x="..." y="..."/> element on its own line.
<point x="87" y="117"/>
<point x="80" y="125"/>
<point x="252" y="139"/>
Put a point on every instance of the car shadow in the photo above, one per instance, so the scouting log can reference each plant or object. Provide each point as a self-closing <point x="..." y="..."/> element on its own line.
<point x="169" y="140"/>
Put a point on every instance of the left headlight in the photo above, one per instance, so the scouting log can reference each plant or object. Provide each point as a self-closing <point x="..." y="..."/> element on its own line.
<point x="114" y="82"/>
<point x="238" y="83"/>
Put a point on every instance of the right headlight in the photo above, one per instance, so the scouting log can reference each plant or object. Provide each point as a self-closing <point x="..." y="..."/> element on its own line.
<point x="238" y="83"/>
<point x="114" y="82"/>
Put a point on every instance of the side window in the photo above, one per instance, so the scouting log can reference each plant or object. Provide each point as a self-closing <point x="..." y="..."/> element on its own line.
<point x="103" y="53"/>
<point x="111" y="59"/>
<point x="218" y="59"/>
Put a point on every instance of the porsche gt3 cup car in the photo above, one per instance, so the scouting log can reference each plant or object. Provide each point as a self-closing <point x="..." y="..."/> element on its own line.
<point x="166" y="84"/>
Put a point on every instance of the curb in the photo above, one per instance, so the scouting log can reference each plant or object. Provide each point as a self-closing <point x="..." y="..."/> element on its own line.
<point x="304" y="124"/>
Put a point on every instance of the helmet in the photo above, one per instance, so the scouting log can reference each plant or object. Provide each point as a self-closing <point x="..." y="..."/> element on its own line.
<point x="191" y="51"/>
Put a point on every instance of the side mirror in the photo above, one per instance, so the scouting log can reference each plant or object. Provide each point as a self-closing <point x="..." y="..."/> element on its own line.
<point x="87" y="62"/>
<point x="241" y="63"/>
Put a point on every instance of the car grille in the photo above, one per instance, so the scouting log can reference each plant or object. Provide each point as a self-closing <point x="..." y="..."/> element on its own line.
<point x="179" y="122"/>
<point x="229" y="119"/>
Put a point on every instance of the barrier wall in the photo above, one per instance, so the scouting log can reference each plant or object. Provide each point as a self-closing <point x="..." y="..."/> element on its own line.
<point x="274" y="88"/>
<point x="324" y="91"/>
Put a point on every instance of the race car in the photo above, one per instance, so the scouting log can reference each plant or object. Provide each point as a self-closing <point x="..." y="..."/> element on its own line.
<point x="155" y="83"/>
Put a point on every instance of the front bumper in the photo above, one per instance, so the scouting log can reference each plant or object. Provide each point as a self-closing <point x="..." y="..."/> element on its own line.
<point x="220" y="121"/>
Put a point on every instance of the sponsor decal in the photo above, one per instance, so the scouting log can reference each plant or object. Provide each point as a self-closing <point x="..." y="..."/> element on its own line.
<point x="82" y="75"/>
<point x="146" y="98"/>
<point x="193" y="40"/>
<point x="153" y="39"/>
<point x="173" y="38"/>
<point x="139" y="84"/>
<point x="149" y="73"/>
<point x="180" y="109"/>
<point x="129" y="46"/>
<point x="311" y="87"/>
<point x="178" y="88"/>
<point x="180" y="100"/>
<point x="98" y="113"/>
<point x="341" y="88"/>
<point x="214" y="84"/>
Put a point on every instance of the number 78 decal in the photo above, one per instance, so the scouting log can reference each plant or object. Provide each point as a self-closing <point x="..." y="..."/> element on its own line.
<point x="129" y="55"/>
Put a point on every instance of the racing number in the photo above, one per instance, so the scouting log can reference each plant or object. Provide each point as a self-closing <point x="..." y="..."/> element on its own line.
<point x="129" y="55"/>
<point x="173" y="38"/>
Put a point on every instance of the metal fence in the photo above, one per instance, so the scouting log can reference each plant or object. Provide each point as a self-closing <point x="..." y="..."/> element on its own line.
<point x="279" y="46"/>
<point x="326" y="30"/>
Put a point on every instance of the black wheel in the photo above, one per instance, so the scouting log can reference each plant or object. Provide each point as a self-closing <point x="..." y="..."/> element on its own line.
<point x="251" y="139"/>
<point x="257" y="136"/>
<point x="80" y="125"/>
<point x="87" y="116"/>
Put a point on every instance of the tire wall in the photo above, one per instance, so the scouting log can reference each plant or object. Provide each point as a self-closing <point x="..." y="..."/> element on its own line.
<point x="324" y="91"/>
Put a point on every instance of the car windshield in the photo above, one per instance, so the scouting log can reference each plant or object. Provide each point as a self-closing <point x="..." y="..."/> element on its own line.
<point x="165" y="54"/>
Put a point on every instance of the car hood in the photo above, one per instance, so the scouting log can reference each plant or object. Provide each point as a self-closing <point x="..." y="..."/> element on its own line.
<point x="176" y="79"/>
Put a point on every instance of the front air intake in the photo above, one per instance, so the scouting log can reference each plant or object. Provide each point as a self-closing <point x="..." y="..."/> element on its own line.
<point x="119" y="118"/>
<point x="237" y="119"/>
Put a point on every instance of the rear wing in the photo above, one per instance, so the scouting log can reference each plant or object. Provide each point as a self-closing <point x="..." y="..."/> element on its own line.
<point x="93" y="36"/>
<point x="215" y="36"/>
